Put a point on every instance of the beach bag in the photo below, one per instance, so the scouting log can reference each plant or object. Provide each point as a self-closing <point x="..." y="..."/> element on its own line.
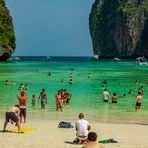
<point x="64" y="124"/>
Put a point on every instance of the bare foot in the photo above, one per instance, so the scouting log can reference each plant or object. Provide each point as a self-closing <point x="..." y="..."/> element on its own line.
<point x="21" y="132"/>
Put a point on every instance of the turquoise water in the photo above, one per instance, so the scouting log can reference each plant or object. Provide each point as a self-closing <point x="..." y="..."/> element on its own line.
<point x="86" y="93"/>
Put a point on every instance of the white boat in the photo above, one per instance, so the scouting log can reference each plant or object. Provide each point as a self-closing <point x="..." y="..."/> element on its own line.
<point x="17" y="58"/>
<point x="116" y="59"/>
<point x="14" y="59"/>
<point x="46" y="58"/>
<point x="142" y="60"/>
<point x="96" y="57"/>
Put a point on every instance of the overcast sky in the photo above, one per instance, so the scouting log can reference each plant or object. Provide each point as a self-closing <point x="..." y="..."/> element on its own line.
<point x="51" y="27"/>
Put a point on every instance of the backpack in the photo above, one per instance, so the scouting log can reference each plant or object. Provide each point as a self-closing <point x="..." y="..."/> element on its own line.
<point x="64" y="124"/>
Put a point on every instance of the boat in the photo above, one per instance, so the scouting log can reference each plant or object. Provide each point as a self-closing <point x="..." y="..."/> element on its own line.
<point x="116" y="59"/>
<point x="96" y="57"/>
<point x="46" y="58"/>
<point x="14" y="59"/>
<point x="141" y="60"/>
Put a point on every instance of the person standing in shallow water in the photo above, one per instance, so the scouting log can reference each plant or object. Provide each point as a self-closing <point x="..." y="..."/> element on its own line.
<point x="43" y="98"/>
<point x="138" y="101"/>
<point x="114" y="98"/>
<point x="33" y="100"/>
<point x="105" y="95"/>
<point x="58" y="101"/>
<point x="22" y="102"/>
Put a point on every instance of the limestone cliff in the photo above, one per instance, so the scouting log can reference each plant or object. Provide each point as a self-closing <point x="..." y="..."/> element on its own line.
<point x="7" y="37"/>
<point x="119" y="28"/>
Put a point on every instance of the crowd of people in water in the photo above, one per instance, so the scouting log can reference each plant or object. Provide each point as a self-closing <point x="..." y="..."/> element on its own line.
<point x="114" y="97"/>
<point x="62" y="97"/>
<point x="18" y="112"/>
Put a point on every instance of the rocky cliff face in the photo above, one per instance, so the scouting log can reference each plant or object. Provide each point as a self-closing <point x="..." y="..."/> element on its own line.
<point x="7" y="37"/>
<point x="119" y="28"/>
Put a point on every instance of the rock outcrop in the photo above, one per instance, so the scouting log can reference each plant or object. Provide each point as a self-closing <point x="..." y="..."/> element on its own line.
<point x="119" y="28"/>
<point x="7" y="36"/>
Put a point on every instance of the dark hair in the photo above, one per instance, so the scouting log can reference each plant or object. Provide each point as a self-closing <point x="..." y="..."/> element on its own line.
<point x="43" y="89"/>
<point x="17" y="106"/>
<point x="139" y="93"/>
<point x="114" y="94"/>
<point x="92" y="136"/>
<point x="81" y="115"/>
<point x="22" y="93"/>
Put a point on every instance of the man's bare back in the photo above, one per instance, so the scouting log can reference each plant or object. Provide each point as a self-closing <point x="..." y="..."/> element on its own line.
<point x="14" y="109"/>
<point x="93" y="145"/>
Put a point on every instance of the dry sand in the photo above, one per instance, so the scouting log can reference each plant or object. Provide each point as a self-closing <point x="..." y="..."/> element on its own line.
<point x="48" y="135"/>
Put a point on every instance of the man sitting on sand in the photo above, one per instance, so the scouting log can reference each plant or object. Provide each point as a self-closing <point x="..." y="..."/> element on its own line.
<point x="12" y="115"/>
<point x="82" y="127"/>
<point x="92" y="137"/>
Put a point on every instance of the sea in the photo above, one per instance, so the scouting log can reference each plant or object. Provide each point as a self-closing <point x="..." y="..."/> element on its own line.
<point x="86" y="93"/>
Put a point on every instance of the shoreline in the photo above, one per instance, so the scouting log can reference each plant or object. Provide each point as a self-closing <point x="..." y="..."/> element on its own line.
<point x="49" y="135"/>
<point x="108" y="117"/>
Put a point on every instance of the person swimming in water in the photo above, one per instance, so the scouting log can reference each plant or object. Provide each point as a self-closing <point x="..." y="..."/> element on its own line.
<point x="89" y="75"/>
<point x="70" y="82"/>
<point x="71" y="75"/>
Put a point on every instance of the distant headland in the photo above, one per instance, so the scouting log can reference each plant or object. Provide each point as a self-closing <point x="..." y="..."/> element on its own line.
<point x="118" y="28"/>
<point x="7" y="36"/>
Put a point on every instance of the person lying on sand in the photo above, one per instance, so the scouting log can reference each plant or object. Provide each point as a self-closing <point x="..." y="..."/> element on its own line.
<point x="92" y="137"/>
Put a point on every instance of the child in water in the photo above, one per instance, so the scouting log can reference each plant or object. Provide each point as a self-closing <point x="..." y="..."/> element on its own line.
<point x="33" y="100"/>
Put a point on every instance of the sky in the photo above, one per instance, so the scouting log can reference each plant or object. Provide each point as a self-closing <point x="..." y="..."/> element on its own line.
<point x="51" y="27"/>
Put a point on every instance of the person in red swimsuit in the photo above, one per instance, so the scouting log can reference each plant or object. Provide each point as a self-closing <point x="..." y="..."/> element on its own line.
<point x="22" y="102"/>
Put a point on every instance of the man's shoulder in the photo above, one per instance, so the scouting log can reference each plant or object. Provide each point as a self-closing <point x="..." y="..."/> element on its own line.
<point x="96" y="145"/>
<point x="81" y="121"/>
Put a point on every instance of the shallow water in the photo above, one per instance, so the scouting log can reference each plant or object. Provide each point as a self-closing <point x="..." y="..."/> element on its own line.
<point x="86" y="93"/>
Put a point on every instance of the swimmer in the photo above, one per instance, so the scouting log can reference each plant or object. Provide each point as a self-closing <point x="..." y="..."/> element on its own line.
<point x="70" y="82"/>
<point x="71" y="75"/>
<point x="89" y="75"/>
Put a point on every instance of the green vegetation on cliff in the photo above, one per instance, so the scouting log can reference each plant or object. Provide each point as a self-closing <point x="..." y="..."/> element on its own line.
<point x="118" y="27"/>
<point x="7" y="37"/>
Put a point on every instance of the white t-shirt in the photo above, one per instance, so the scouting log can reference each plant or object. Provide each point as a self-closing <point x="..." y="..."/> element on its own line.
<point x="82" y="127"/>
<point x="105" y="95"/>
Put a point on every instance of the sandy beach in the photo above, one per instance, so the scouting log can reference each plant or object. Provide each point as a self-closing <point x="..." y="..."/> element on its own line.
<point x="48" y="135"/>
